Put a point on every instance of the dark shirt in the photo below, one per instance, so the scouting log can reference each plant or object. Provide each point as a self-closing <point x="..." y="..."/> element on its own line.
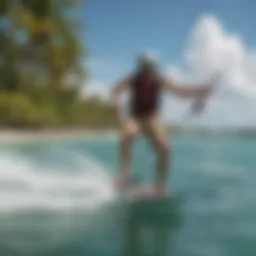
<point x="145" y="93"/>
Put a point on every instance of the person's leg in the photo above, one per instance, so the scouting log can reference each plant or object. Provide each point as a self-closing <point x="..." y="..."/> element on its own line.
<point x="130" y="130"/>
<point x="157" y="133"/>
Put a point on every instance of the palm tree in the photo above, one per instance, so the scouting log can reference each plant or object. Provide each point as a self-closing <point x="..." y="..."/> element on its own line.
<point x="52" y="46"/>
<point x="52" y="38"/>
<point x="10" y="78"/>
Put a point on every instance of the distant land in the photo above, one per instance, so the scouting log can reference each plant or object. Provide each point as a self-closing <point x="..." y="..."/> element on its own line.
<point x="208" y="131"/>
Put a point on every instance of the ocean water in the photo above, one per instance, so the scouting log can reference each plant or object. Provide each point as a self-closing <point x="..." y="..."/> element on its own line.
<point x="56" y="199"/>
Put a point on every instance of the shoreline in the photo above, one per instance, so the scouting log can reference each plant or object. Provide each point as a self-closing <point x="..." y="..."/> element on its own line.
<point x="13" y="136"/>
<point x="52" y="134"/>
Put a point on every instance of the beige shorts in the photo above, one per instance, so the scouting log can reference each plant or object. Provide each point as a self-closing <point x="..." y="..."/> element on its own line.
<point x="151" y="127"/>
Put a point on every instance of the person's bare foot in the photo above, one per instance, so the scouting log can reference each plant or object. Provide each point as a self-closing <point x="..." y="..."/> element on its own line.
<point x="150" y="192"/>
<point x="159" y="192"/>
<point x="121" y="182"/>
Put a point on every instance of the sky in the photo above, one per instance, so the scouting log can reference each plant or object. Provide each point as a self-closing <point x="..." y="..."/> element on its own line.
<point x="193" y="41"/>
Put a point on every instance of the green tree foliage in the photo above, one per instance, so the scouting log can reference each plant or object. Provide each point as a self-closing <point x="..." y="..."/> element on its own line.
<point x="3" y="7"/>
<point x="40" y="51"/>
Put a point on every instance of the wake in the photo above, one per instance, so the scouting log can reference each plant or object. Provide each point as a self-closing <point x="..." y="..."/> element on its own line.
<point x="25" y="184"/>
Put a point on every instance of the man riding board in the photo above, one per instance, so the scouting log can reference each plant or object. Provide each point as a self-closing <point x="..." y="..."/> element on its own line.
<point x="145" y="86"/>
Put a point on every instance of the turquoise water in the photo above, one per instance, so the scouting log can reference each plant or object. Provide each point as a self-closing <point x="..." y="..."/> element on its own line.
<point x="56" y="200"/>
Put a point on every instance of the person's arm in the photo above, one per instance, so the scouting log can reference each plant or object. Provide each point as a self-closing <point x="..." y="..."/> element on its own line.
<point x="182" y="91"/>
<point x="120" y="87"/>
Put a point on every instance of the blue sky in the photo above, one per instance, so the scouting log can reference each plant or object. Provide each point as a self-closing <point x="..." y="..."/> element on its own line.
<point x="116" y="30"/>
<point x="193" y="39"/>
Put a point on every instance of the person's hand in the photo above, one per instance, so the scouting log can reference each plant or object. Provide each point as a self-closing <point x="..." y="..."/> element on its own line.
<point x="159" y="192"/>
<point x="122" y="181"/>
<point x="212" y="84"/>
<point x="200" y="101"/>
<point x="205" y="92"/>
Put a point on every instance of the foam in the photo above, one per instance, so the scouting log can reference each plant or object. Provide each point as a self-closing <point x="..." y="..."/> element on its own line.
<point x="24" y="184"/>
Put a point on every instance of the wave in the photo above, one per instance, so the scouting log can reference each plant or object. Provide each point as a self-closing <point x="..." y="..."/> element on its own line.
<point x="27" y="184"/>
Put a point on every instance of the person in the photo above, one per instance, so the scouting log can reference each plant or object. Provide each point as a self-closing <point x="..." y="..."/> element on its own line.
<point x="145" y="86"/>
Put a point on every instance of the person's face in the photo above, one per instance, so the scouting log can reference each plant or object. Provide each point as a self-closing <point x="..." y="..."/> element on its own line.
<point x="146" y="67"/>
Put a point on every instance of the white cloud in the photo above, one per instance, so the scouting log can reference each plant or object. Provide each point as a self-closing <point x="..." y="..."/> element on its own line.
<point x="211" y="49"/>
